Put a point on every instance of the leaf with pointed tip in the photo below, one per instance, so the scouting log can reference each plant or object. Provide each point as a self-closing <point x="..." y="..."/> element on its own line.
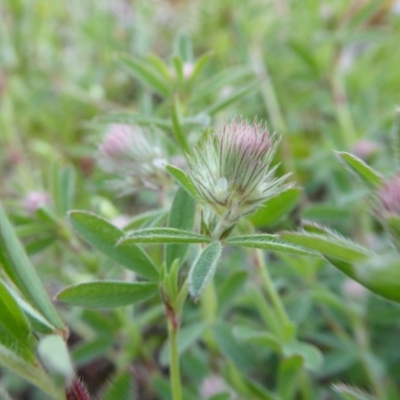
<point x="331" y="245"/>
<point x="235" y="96"/>
<point x="311" y="355"/>
<point x="14" y="321"/>
<point x="33" y="373"/>
<point x="364" y="171"/>
<point x="274" y="209"/>
<point x="203" y="268"/>
<point x="147" y="219"/>
<point x="18" y="267"/>
<point x="181" y="216"/>
<point x="53" y="353"/>
<point x="162" y="235"/>
<point x="183" y="180"/>
<point x="267" y="242"/>
<point x="146" y="74"/>
<point x="103" y="236"/>
<point x="107" y="294"/>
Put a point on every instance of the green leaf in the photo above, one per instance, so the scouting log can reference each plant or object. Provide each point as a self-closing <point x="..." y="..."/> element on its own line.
<point x="181" y="216"/>
<point x="62" y="188"/>
<point x="178" y="66"/>
<point x="53" y="353"/>
<point x="14" y="321"/>
<point x="162" y="235"/>
<point x="274" y="209"/>
<point x="146" y="220"/>
<point x="288" y="376"/>
<point x="380" y="274"/>
<point x="203" y="268"/>
<point x="33" y="373"/>
<point x="182" y="178"/>
<point x="18" y="267"/>
<point x="146" y="74"/>
<point x="103" y="236"/>
<point x="311" y="355"/>
<point x="235" y="96"/>
<point x="266" y="242"/>
<point x="177" y="125"/>
<point x="265" y="339"/>
<point x="120" y="387"/>
<point x="187" y="336"/>
<point x="328" y="214"/>
<point x="213" y="85"/>
<point x="160" y="66"/>
<point x="199" y="66"/>
<point x="392" y="224"/>
<point x="221" y="396"/>
<point x="331" y="245"/>
<point x="365" y="172"/>
<point x="107" y="294"/>
<point x="351" y="393"/>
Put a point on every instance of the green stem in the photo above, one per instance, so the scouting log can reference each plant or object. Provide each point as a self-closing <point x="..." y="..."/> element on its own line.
<point x="175" y="374"/>
<point x="270" y="289"/>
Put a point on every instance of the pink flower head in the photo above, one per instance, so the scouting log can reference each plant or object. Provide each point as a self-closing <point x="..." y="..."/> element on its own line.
<point x="211" y="386"/>
<point x="365" y="148"/>
<point x="117" y="140"/>
<point x="354" y="290"/>
<point x="231" y="170"/>
<point x="77" y="390"/>
<point x="34" y="200"/>
<point x="135" y="157"/>
<point x="389" y="195"/>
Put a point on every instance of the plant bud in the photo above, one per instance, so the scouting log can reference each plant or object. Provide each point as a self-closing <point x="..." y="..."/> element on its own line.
<point x="34" y="200"/>
<point x="137" y="159"/>
<point x="77" y="391"/>
<point x="231" y="171"/>
<point x="389" y="195"/>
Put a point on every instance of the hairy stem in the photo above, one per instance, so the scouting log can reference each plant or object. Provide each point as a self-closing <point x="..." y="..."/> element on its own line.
<point x="175" y="374"/>
<point x="270" y="289"/>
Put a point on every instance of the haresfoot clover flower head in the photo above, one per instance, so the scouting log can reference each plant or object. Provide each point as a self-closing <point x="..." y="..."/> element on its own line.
<point x="136" y="158"/>
<point x="389" y="210"/>
<point x="389" y="195"/>
<point x="231" y="170"/>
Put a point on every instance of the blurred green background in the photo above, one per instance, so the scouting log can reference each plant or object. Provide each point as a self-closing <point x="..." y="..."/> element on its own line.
<point x="323" y="74"/>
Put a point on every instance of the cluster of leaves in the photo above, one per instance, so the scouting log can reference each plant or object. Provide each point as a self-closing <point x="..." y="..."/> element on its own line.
<point x="324" y="75"/>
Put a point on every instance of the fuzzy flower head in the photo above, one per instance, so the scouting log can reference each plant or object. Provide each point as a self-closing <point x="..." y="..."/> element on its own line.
<point x="389" y="210"/>
<point x="136" y="158"/>
<point x="34" y="200"/>
<point x="231" y="171"/>
<point x="389" y="196"/>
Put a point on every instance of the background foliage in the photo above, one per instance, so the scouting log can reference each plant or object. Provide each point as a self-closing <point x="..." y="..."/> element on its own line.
<point x="324" y="74"/>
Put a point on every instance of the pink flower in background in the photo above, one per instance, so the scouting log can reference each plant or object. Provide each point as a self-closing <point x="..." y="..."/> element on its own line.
<point x="135" y="157"/>
<point x="117" y="140"/>
<point x="389" y="195"/>
<point x="34" y="200"/>
<point x="213" y="385"/>
<point x="365" y="148"/>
